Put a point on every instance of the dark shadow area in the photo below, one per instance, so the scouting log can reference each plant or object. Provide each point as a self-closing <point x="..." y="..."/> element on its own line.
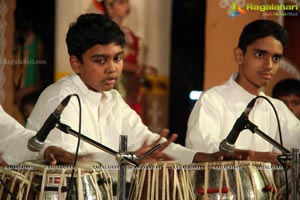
<point x="187" y="61"/>
<point x="41" y="16"/>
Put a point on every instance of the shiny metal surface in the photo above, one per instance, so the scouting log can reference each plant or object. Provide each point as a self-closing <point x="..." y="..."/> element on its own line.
<point x="91" y="182"/>
<point x="242" y="179"/>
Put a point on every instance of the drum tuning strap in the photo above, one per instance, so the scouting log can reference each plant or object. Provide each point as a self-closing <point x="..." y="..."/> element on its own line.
<point x="270" y="188"/>
<point x="13" y="197"/>
<point x="213" y="190"/>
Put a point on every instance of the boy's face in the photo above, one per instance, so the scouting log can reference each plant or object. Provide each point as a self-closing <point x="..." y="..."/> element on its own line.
<point x="120" y="8"/>
<point x="101" y="66"/>
<point x="259" y="64"/>
<point x="293" y="103"/>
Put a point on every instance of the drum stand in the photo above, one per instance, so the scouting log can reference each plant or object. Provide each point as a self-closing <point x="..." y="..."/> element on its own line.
<point x="295" y="174"/>
<point x="292" y="156"/>
<point x="123" y="157"/>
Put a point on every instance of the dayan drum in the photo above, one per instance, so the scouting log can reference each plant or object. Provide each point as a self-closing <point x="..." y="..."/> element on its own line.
<point x="233" y="180"/>
<point x="91" y="181"/>
<point x="160" y="181"/>
<point x="13" y="185"/>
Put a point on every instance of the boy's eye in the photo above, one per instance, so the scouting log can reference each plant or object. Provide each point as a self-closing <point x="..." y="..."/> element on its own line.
<point x="295" y="102"/>
<point x="276" y="59"/>
<point x="118" y="58"/>
<point x="259" y="54"/>
<point x="101" y="61"/>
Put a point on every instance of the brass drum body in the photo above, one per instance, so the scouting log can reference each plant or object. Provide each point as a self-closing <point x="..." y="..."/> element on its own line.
<point x="90" y="182"/>
<point x="233" y="180"/>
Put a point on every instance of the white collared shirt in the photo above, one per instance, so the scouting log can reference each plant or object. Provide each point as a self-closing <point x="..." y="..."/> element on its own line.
<point x="216" y="111"/>
<point x="116" y="118"/>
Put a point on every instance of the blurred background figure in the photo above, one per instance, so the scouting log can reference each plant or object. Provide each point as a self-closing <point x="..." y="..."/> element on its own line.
<point x="288" y="90"/>
<point x="28" y="53"/>
<point x="134" y="73"/>
<point x="28" y="103"/>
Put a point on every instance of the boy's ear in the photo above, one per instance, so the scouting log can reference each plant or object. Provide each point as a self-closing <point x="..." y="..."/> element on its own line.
<point x="75" y="64"/>
<point x="238" y="55"/>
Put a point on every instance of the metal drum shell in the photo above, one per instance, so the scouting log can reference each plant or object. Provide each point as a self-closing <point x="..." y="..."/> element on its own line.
<point x="91" y="180"/>
<point x="233" y="180"/>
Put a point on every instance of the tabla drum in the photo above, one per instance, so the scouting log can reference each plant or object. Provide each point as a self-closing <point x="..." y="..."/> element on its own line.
<point x="233" y="180"/>
<point x="13" y="184"/>
<point x="91" y="181"/>
<point x="161" y="181"/>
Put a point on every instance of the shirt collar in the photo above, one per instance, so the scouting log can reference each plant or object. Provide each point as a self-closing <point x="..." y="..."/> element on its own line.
<point x="104" y="96"/>
<point x="240" y="90"/>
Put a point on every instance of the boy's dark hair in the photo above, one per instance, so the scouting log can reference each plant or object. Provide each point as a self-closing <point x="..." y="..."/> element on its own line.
<point x="29" y="99"/>
<point x="286" y="87"/>
<point x="90" y="30"/>
<point x="260" y="29"/>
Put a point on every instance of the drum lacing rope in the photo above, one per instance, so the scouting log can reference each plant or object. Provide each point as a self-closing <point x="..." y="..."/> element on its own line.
<point x="79" y="184"/>
<point x="155" y="184"/>
<point x="26" y="176"/>
<point x="13" y="184"/>
<point x="152" y="184"/>
<point x="141" y="183"/>
<point x="2" y="178"/>
<point x="190" y="181"/>
<point x="108" y="188"/>
<point x="21" y="191"/>
<point x="158" y="175"/>
<point x="221" y="181"/>
<point x="177" y="185"/>
<point x="186" y="184"/>
<point x="139" y="180"/>
<point x="229" y="193"/>
<point x="43" y="184"/>
<point x="165" y="181"/>
<point x="206" y="177"/>
<point x="251" y="171"/>
<point x="271" y="186"/>
<point x="15" y="176"/>
<point x="94" y="182"/>
<point x="239" y="186"/>
<point x="63" y="179"/>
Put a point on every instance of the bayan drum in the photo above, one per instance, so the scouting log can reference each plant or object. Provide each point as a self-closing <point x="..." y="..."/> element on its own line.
<point x="233" y="180"/>
<point x="160" y="181"/>
<point x="13" y="184"/>
<point x="91" y="181"/>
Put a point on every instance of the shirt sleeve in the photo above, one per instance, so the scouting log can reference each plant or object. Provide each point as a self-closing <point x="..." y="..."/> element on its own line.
<point x="13" y="140"/>
<point x="290" y="127"/>
<point x="204" y="131"/>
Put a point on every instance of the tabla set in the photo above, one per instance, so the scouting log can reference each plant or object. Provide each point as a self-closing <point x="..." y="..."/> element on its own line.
<point x="34" y="180"/>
